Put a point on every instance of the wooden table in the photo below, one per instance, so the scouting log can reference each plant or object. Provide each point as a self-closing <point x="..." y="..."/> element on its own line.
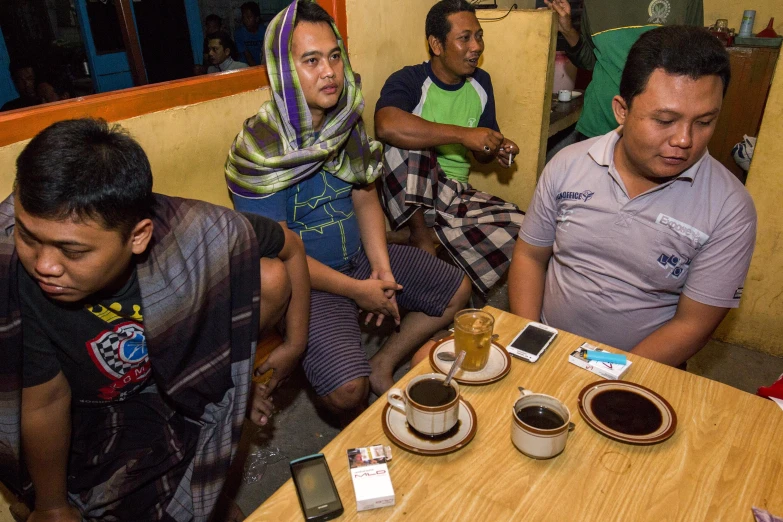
<point x="726" y="456"/>
<point x="564" y="114"/>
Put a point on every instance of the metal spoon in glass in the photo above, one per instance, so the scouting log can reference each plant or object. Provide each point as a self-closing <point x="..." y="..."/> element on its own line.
<point x="450" y="356"/>
<point x="455" y="367"/>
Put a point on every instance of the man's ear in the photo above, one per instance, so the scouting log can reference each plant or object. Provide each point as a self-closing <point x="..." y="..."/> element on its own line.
<point x="140" y="236"/>
<point x="435" y="45"/>
<point x="620" y="109"/>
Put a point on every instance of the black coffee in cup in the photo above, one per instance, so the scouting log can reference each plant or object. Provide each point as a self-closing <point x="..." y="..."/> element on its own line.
<point x="540" y="417"/>
<point x="431" y="392"/>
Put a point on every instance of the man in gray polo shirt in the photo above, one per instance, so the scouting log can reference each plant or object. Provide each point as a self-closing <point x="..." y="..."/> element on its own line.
<point x="639" y="239"/>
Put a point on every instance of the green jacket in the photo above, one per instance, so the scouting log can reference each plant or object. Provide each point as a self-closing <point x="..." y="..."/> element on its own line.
<point x="609" y="29"/>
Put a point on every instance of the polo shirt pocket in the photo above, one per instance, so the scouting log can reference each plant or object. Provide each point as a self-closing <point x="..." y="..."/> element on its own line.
<point x="669" y="262"/>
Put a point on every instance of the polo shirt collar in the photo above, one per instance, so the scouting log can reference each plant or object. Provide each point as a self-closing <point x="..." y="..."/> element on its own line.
<point x="228" y="62"/>
<point x="602" y="152"/>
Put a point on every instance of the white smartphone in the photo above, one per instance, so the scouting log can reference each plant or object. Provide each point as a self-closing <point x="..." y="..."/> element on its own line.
<point x="531" y="342"/>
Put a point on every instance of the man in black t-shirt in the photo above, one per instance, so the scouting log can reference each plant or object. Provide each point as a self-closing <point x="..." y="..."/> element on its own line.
<point x="139" y="319"/>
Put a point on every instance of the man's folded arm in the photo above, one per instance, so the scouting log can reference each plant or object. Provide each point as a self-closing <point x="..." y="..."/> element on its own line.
<point x="407" y="131"/>
<point x="684" y="334"/>
<point x="46" y="437"/>
<point x="526" y="278"/>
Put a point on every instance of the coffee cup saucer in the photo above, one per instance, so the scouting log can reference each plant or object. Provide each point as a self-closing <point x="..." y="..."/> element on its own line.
<point x="498" y="364"/>
<point x="396" y="428"/>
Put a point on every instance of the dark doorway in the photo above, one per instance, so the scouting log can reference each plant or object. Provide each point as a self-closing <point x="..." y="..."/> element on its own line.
<point x="164" y="38"/>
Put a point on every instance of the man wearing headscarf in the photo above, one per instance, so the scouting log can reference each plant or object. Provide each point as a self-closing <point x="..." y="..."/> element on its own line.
<point x="306" y="161"/>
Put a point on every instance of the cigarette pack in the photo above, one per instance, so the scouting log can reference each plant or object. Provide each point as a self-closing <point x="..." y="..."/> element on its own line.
<point x="370" y="475"/>
<point x="605" y="370"/>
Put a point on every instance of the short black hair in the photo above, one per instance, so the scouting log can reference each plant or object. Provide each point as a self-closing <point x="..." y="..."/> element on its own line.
<point x="309" y="11"/>
<point x="213" y="18"/>
<point x="676" y="49"/>
<point x="85" y="169"/>
<point x="252" y="7"/>
<point x="225" y="40"/>
<point x="437" y="23"/>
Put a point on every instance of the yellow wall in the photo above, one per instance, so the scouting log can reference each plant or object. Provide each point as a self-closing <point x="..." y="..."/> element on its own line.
<point x="517" y="55"/>
<point x="732" y="10"/>
<point x="757" y="323"/>
<point x="186" y="146"/>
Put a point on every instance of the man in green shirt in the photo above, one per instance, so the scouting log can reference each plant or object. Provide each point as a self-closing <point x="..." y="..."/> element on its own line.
<point x="608" y="30"/>
<point x="432" y="117"/>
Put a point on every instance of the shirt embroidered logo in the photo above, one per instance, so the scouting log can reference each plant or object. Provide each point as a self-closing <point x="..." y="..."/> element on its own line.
<point x="659" y="11"/>
<point x="677" y="263"/>
<point x="576" y="196"/>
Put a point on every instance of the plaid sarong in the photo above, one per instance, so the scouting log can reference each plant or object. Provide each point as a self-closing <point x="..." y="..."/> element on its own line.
<point x="199" y="284"/>
<point x="278" y="147"/>
<point x="478" y="230"/>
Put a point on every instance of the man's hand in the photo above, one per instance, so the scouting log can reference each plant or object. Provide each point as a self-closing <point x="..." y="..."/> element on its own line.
<point x="282" y="360"/>
<point x="507" y="149"/>
<point x="391" y="294"/>
<point x="371" y="296"/>
<point x="260" y="406"/>
<point x="482" y="140"/>
<point x="66" y="513"/>
<point x="564" y="25"/>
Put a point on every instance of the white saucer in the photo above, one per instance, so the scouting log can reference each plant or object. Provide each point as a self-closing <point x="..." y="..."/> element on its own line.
<point x="497" y="367"/>
<point x="395" y="426"/>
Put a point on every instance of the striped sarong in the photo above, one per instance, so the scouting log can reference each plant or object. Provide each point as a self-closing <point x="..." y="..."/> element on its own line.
<point x="334" y="353"/>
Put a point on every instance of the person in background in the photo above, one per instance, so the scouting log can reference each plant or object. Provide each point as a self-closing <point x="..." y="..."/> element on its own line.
<point x="305" y="161"/>
<point x="221" y="49"/>
<point x="212" y="25"/>
<point x="431" y="117"/>
<point x="130" y="322"/>
<point x="608" y="30"/>
<point x="640" y="239"/>
<point x="250" y="37"/>
<point x="23" y="76"/>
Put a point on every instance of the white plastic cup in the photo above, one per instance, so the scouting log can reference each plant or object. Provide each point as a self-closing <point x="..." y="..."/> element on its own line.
<point x="564" y="95"/>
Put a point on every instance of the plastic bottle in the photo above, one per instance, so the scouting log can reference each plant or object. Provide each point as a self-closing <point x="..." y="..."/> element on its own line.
<point x="565" y="73"/>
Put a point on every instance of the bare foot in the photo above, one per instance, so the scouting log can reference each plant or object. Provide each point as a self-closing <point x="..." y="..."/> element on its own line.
<point x="380" y="380"/>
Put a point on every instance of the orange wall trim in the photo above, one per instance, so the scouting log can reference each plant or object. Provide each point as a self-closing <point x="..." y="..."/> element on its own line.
<point x="336" y="8"/>
<point x="23" y="124"/>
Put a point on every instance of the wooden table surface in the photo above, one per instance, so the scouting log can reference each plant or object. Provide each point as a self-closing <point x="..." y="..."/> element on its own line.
<point x="564" y="114"/>
<point x="725" y="457"/>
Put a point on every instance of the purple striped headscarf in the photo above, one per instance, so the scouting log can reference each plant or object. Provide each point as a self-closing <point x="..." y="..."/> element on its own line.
<point x="278" y="147"/>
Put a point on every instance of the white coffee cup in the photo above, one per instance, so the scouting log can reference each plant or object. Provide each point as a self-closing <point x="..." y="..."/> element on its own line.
<point x="564" y="95"/>
<point x="428" y="420"/>
<point x="537" y="442"/>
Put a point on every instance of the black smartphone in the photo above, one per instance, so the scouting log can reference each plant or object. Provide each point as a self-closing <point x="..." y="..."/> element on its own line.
<point x="315" y="488"/>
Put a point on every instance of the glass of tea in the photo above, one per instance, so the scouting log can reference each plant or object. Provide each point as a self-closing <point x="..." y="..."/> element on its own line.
<point x="473" y="334"/>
